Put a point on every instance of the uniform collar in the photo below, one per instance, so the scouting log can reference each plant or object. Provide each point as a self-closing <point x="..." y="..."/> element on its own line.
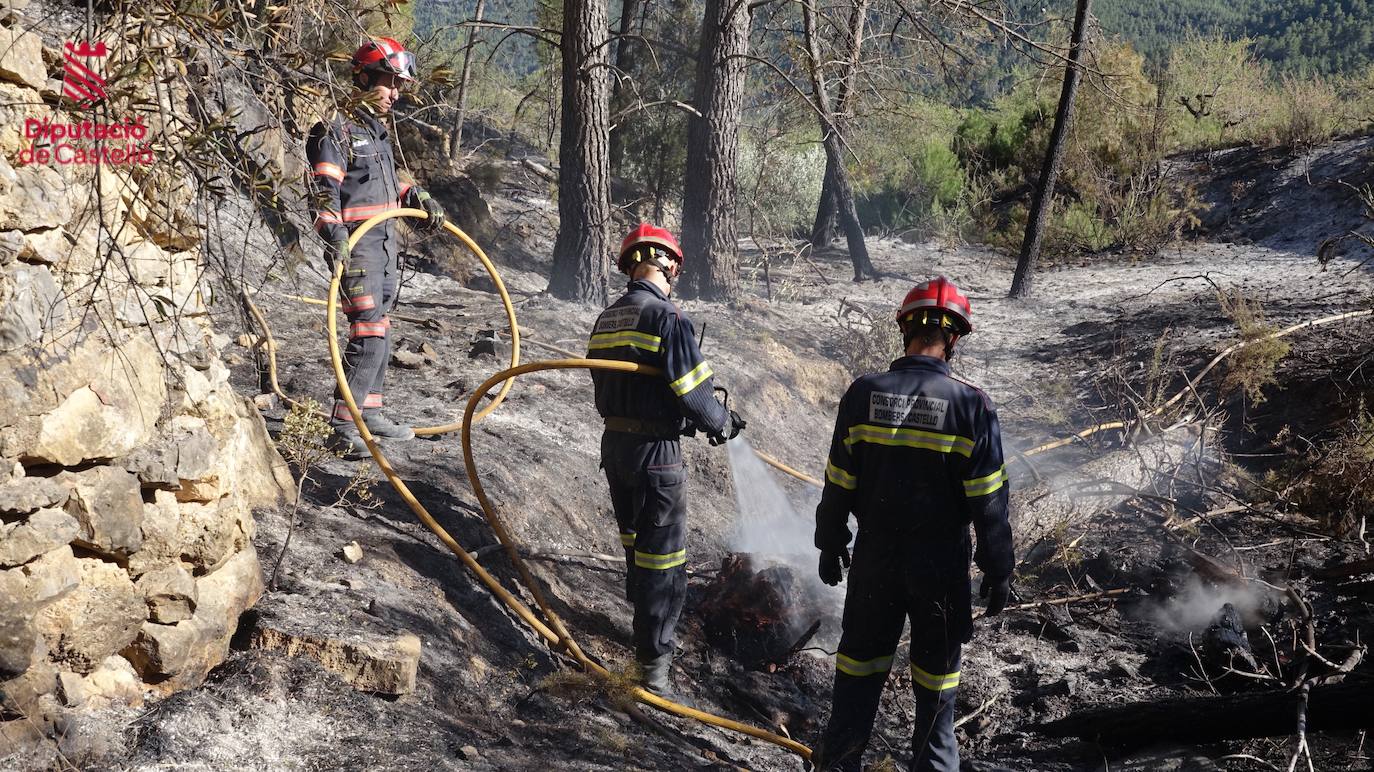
<point x="647" y="286"/>
<point x="922" y="363"/>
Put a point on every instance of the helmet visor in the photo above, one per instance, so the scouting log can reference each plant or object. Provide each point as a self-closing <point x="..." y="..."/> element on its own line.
<point x="401" y="64"/>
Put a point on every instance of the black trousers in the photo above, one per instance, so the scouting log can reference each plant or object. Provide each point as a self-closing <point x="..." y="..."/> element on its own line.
<point x="883" y="594"/>
<point x="366" y="294"/>
<point x="649" y="496"/>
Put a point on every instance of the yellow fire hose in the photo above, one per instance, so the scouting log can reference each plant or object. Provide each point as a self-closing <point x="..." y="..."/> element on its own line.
<point x="554" y="631"/>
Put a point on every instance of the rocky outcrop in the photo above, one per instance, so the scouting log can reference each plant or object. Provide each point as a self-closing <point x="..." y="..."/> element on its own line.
<point x="128" y="465"/>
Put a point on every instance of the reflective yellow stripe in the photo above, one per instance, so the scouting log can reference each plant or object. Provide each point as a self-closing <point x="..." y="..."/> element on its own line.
<point x="935" y="682"/>
<point x="691" y="380"/>
<point x="660" y="562"/>
<point x="911" y="438"/>
<point x="627" y="539"/>
<point x="985" y="485"/>
<point x="840" y="477"/>
<point x="861" y="668"/>
<point x="640" y="340"/>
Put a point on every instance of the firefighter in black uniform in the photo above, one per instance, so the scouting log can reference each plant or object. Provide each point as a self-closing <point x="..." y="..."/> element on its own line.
<point x="916" y="456"/>
<point x="353" y="170"/>
<point x="644" y="417"/>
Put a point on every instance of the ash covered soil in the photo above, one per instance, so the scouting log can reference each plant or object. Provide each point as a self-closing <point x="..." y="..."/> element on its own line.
<point x="490" y="694"/>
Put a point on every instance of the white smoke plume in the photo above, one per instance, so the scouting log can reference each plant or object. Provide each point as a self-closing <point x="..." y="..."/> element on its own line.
<point x="1193" y="609"/>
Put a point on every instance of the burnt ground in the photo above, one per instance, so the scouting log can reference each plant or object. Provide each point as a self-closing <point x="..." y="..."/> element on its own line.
<point x="491" y="695"/>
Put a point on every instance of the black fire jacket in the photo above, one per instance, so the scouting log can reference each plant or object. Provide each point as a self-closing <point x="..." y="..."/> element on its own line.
<point x="916" y="456"/>
<point x="644" y="327"/>
<point x="353" y="175"/>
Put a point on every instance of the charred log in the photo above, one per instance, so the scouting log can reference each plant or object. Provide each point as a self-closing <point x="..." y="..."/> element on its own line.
<point x="1342" y="707"/>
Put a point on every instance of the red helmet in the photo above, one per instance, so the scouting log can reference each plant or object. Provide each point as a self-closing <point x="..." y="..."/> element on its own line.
<point x="937" y="301"/>
<point x="653" y="236"/>
<point x="384" y="55"/>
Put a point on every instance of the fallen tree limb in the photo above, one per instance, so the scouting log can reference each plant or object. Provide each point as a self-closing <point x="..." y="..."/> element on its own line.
<point x="1192" y="720"/>
<point x="1346" y="570"/>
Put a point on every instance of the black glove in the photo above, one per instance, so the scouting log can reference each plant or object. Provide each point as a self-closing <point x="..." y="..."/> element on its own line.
<point x="337" y="251"/>
<point x="830" y="566"/>
<point x="995" y="592"/>
<point x="436" y="219"/>
<point x="730" y="432"/>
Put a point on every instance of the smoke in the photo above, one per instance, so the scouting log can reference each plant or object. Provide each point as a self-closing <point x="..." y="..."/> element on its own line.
<point x="767" y="524"/>
<point x="1193" y="609"/>
<point x="768" y="527"/>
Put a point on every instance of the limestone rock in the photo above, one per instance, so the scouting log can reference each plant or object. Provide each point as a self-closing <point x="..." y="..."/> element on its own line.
<point x="98" y="618"/>
<point x="43" y="531"/>
<point x="204" y="535"/>
<point x="30" y="305"/>
<point x="179" y="656"/>
<point x="23" y="59"/>
<point x="370" y="655"/>
<point x="21" y="693"/>
<point x="17" y="103"/>
<point x="48" y="577"/>
<point x="38" y="195"/>
<point x="114" y="682"/>
<point x="12" y="245"/>
<point x="352" y="552"/>
<point x="94" y="400"/>
<point x="17" y="634"/>
<point x="47" y="247"/>
<point x="28" y="494"/>
<point x="170" y="594"/>
<point x="184" y="451"/>
<point x="107" y="503"/>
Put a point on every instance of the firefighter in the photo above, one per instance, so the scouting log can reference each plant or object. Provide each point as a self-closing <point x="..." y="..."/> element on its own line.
<point x="354" y="178"/>
<point x="644" y="416"/>
<point x="916" y="455"/>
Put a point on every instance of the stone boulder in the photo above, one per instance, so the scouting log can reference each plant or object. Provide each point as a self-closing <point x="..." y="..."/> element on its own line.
<point x="28" y="494"/>
<point x="95" y="400"/>
<point x="170" y="594"/>
<point x="42" y="531"/>
<point x="184" y="451"/>
<point x="108" y="504"/>
<point x="23" y="59"/>
<point x="179" y="656"/>
<point x="98" y="618"/>
<point x="30" y="304"/>
<point x="38" y="196"/>
<point x="203" y="535"/>
<point x="369" y="655"/>
<point x="114" y="682"/>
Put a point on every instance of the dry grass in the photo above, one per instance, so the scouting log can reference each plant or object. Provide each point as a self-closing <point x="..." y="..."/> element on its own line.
<point x="866" y="342"/>
<point x="1334" y="483"/>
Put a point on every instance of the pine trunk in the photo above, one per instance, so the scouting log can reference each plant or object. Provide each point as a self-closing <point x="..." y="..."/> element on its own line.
<point x="844" y="192"/>
<point x="823" y="229"/>
<point x="625" y="67"/>
<point x="708" y="200"/>
<point x="455" y="141"/>
<point x="581" y="253"/>
<point x="1054" y="157"/>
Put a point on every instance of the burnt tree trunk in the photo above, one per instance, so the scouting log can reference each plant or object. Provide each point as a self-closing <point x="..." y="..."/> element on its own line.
<point x="625" y="67"/>
<point x="1043" y="201"/>
<point x="823" y="229"/>
<point x="1197" y="720"/>
<point x="844" y="192"/>
<point x="455" y="139"/>
<point x="708" y="192"/>
<point x="581" y="251"/>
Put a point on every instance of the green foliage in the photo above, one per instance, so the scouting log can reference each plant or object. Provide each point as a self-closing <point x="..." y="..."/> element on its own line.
<point x="780" y="179"/>
<point x="1296" y="36"/>
<point x="1250" y="369"/>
